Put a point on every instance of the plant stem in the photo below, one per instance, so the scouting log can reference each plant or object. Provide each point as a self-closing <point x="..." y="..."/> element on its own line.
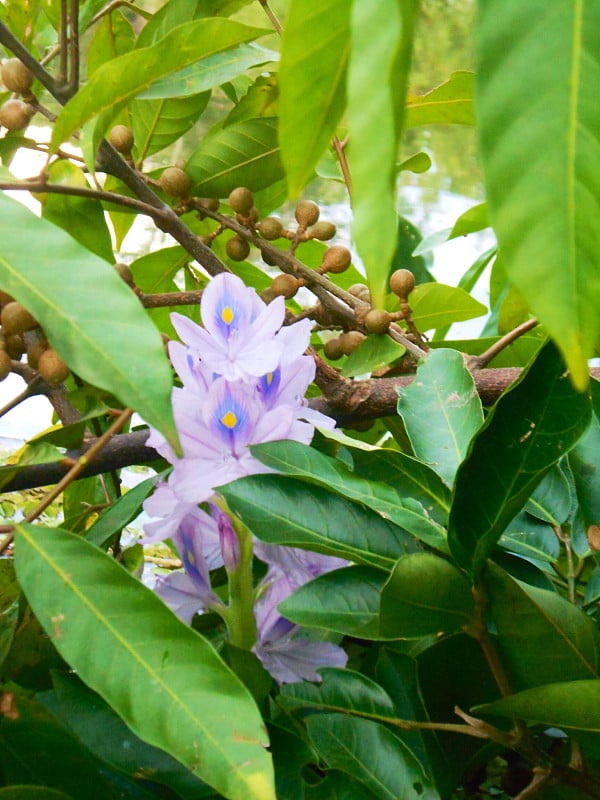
<point x="240" y="619"/>
<point x="477" y="362"/>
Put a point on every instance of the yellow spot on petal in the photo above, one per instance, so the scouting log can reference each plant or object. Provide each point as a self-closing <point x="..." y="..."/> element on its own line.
<point x="229" y="420"/>
<point x="190" y="558"/>
<point x="269" y="377"/>
<point x="227" y="315"/>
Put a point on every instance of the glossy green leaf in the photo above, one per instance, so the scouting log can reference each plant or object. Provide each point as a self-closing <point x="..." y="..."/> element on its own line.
<point x="408" y="476"/>
<point x="569" y="704"/>
<point x="178" y="12"/>
<point x="584" y="461"/>
<point x="33" y="793"/>
<point x="106" y="736"/>
<point x="9" y="607"/>
<point x="451" y="102"/>
<point x="348" y="744"/>
<point x="472" y="220"/>
<point x="425" y="595"/>
<point x="281" y="510"/>
<point x="91" y="317"/>
<point x="377" y="350"/>
<point x="113" y="36"/>
<point x="155" y="672"/>
<point x="314" y="55"/>
<point x="37" y="749"/>
<point x="551" y="500"/>
<point x="209" y="72"/>
<point x="538" y="119"/>
<point x="397" y="673"/>
<point x="435" y="305"/>
<point x="381" y="47"/>
<point x="158" y="123"/>
<point x="541" y="636"/>
<point x="535" y="422"/>
<point x="261" y="100"/>
<point x="244" y="153"/>
<point x="443" y="393"/>
<point x="345" y="601"/>
<point x="408" y="238"/>
<point x="120" y="513"/>
<point x="338" y="786"/>
<point x="81" y="217"/>
<point x="300" y="461"/>
<point x="532" y="539"/>
<point x="115" y="83"/>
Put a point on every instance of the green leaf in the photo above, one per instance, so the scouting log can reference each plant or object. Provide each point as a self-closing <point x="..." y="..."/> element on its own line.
<point x="81" y="217"/>
<point x="115" y="83"/>
<point x="33" y="793"/>
<point x="376" y="351"/>
<point x="314" y="55"/>
<point x="281" y="510"/>
<point x="337" y="786"/>
<point x="408" y="238"/>
<point x="106" y="736"/>
<point x="120" y="514"/>
<point x="535" y="422"/>
<point x="209" y="72"/>
<point x="112" y="37"/>
<point x="156" y="673"/>
<point x="425" y="595"/>
<point x="539" y="150"/>
<point x="435" y="305"/>
<point x="348" y="744"/>
<point x="443" y="393"/>
<point x="531" y="539"/>
<point x="551" y="500"/>
<point x="345" y="601"/>
<point x="300" y="461"/>
<point x="408" y="476"/>
<point x="541" y="636"/>
<point x="451" y="102"/>
<point x="37" y="749"/>
<point x="158" y="123"/>
<point x="91" y="317"/>
<point x="381" y="46"/>
<point x="569" y="704"/>
<point x="244" y="153"/>
<point x="584" y="460"/>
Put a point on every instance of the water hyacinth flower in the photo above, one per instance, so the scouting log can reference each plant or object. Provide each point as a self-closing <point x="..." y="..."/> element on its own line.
<point x="244" y="378"/>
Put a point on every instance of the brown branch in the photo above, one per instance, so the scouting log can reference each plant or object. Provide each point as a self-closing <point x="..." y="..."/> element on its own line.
<point x="167" y="299"/>
<point x="478" y="362"/>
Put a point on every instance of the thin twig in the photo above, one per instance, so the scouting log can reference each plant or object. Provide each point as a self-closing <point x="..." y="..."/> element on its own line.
<point x="478" y="362"/>
<point x="112" y="6"/>
<point x="29" y="391"/>
<point x="167" y="299"/>
<point x="78" y="467"/>
<point x="63" y="41"/>
<point x="74" y="49"/>
<point x="272" y="16"/>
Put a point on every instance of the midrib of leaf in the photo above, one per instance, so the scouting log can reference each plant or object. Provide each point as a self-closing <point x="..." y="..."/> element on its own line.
<point x="574" y="84"/>
<point x="69" y="325"/>
<point x="151" y="130"/>
<point x="103" y="620"/>
<point x="362" y="765"/>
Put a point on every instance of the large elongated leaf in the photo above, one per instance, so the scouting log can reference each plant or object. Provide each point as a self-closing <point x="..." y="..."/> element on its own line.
<point x="425" y="595"/>
<point x="451" y="102"/>
<point x="314" y="53"/>
<point x="244" y="153"/>
<point x="435" y="305"/>
<point x="282" y="510"/>
<point x="538" y="121"/>
<point x="118" y="81"/>
<point x="345" y="601"/>
<point x="534" y="423"/>
<point x="381" y="48"/>
<point x="542" y="637"/>
<point x="158" y="123"/>
<point x="158" y="674"/>
<point x="443" y="393"/>
<point x="584" y="460"/>
<point x="569" y="704"/>
<point x="91" y="317"/>
<point x="300" y="461"/>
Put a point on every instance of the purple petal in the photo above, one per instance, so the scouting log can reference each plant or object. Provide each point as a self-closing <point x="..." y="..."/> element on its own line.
<point x="290" y="660"/>
<point x="182" y="596"/>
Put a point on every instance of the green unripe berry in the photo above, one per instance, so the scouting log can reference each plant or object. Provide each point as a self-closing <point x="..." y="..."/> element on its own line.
<point x="175" y="182"/>
<point x="350" y="340"/>
<point x="323" y="231"/>
<point x="237" y="248"/>
<point x="285" y="285"/>
<point x="16" y="319"/>
<point x="333" y="349"/>
<point x="377" y="320"/>
<point x="336" y="259"/>
<point x="307" y="213"/>
<point x="16" y="77"/>
<point x="270" y="228"/>
<point x="402" y="282"/>
<point x="241" y="200"/>
<point x="121" y="138"/>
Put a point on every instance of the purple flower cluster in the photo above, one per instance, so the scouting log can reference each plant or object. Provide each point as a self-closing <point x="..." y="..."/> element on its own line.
<point x="244" y="377"/>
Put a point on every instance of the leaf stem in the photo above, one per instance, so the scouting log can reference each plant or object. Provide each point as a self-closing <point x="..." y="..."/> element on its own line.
<point x="477" y="362"/>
